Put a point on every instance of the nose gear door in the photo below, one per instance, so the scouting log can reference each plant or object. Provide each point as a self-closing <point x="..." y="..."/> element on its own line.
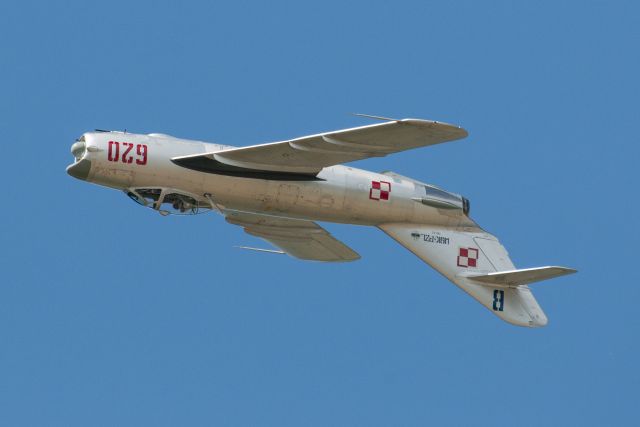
<point x="169" y="201"/>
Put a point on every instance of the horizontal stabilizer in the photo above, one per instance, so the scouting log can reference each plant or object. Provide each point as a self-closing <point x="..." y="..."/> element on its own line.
<point x="477" y="263"/>
<point x="521" y="277"/>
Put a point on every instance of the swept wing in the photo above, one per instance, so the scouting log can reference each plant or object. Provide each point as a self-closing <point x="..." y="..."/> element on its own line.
<point x="299" y="238"/>
<point x="309" y="154"/>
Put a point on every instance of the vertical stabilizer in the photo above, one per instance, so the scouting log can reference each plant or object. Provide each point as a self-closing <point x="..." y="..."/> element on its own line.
<point x="462" y="254"/>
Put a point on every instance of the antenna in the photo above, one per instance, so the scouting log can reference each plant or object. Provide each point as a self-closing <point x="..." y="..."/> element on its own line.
<point x="386" y="119"/>
<point x="270" y="251"/>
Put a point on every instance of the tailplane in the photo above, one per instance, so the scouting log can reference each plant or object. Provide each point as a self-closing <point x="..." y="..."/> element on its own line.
<point x="521" y="277"/>
<point x="477" y="263"/>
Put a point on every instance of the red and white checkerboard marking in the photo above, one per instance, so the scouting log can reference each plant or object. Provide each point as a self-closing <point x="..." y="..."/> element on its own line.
<point x="380" y="190"/>
<point x="468" y="257"/>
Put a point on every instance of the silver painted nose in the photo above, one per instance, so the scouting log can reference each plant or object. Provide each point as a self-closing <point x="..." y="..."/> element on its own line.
<point x="80" y="169"/>
<point x="79" y="148"/>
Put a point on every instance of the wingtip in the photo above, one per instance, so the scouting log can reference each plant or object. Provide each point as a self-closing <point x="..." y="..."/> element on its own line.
<point x="566" y="270"/>
<point x="459" y="130"/>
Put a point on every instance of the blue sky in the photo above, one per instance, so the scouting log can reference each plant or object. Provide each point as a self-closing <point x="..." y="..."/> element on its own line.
<point x="113" y="315"/>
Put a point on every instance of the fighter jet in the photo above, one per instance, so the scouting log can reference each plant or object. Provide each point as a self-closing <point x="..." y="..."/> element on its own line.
<point x="277" y="191"/>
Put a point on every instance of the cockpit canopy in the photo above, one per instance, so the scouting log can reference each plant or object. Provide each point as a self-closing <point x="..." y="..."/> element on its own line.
<point x="168" y="201"/>
<point x="440" y="199"/>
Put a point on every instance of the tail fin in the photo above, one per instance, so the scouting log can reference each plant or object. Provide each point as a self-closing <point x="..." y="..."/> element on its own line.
<point x="477" y="263"/>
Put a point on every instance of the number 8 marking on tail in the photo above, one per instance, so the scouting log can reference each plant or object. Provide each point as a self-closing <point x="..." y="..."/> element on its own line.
<point x="498" y="300"/>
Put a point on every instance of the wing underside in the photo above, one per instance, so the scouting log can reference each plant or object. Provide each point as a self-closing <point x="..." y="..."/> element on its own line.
<point x="309" y="154"/>
<point x="301" y="239"/>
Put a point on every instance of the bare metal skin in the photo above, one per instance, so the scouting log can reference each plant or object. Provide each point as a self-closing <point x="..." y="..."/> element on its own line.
<point x="275" y="191"/>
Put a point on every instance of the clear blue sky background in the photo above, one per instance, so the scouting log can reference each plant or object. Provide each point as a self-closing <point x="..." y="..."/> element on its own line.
<point x="113" y="315"/>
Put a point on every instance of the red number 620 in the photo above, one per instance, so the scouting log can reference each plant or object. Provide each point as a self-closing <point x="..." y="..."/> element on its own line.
<point x="113" y="154"/>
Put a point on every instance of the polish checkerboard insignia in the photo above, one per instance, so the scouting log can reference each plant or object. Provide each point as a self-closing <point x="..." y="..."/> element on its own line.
<point x="468" y="257"/>
<point x="380" y="190"/>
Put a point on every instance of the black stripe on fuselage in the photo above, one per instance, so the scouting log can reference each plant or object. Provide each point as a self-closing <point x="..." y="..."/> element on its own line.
<point x="209" y="165"/>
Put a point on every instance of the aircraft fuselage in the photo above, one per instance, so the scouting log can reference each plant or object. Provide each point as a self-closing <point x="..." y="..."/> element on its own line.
<point x="339" y="193"/>
<point x="277" y="191"/>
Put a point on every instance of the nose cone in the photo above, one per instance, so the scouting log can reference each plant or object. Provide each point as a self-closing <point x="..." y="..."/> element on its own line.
<point x="80" y="169"/>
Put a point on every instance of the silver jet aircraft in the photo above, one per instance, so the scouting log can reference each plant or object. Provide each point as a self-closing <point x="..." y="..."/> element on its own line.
<point x="276" y="191"/>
